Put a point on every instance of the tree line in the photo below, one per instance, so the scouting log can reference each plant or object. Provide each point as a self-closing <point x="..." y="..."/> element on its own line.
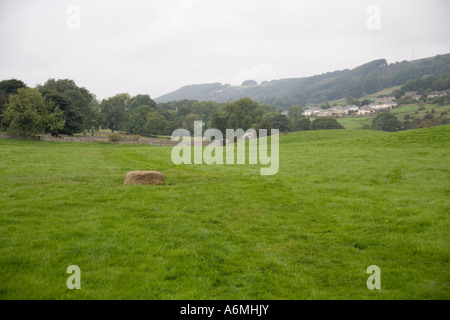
<point x="61" y="107"/>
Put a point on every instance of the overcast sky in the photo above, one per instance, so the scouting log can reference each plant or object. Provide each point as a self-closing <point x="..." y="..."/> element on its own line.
<point x="155" y="47"/>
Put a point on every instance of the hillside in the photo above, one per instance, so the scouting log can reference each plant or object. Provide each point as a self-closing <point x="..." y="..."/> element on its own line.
<point x="363" y="80"/>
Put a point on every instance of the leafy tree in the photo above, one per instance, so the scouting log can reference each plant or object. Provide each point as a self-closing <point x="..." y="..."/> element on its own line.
<point x="264" y="124"/>
<point x="219" y="120"/>
<point x="154" y="125"/>
<point x="302" y="124"/>
<point x="295" y="112"/>
<point x="7" y="88"/>
<point x="386" y="121"/>
<point x="241" y="113"/>
<point x="188" y="122"/>
<point x="73" y="116"/>
<point x="281" y="122"/>
<point x="115" y="111"/>
<point x="55" y="120"/>
<point x="28" y="115"/>
<point x="75" y="102"/>
<point x="325" y="123"/>
<point x="138" y="118"/>
<point x="141" y="100"/>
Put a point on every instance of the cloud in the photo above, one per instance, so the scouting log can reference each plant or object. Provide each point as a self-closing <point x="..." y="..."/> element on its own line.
<point x="155" y="47"/>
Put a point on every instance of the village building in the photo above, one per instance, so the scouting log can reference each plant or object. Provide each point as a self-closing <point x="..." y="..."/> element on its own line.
<point x="436" y="94"/>
<point x="365" y="110"/>
<point x="351" y="108"/>
<point x="325" y="113"/>
<point x="312" y="111"/>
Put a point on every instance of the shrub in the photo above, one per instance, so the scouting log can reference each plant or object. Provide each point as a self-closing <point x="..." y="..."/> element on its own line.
<point x="114" y="137"/>
<point x="386" y="122"/>
<point x="326" y="123"/>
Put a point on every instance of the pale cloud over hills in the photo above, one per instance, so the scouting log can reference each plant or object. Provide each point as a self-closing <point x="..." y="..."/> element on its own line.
<point x="156" y="47"/>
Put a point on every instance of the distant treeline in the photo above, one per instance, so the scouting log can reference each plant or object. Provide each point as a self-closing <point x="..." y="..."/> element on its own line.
<point x="61" y="107"/>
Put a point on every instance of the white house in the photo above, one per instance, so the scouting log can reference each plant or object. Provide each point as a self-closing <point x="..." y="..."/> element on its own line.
<point x="325" y="113"/>
<point x="337" y="110"/>
<point x="365" y="110"/>
<point x="388" y="105"/>
<point x="312" y="111"/>
<point x="436" y="94"/>
<point x="351" y="108"/>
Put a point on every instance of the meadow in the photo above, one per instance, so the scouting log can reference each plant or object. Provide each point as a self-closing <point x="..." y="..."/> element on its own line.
<point x="411" y="110"/>
<point x="342" y="200"/>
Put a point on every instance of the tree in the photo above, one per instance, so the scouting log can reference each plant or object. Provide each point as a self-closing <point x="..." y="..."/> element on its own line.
<point x="55" y="120"/>
<point x="264" y="124"/>
<point x="302" y="124"/>
<point x="73" y="116"/>
<point x="295" y="112"/>
<point x="241" y="114"/>
<point x="141" y="100"/>
<point x="138" y="118"/>
<point x="188" y="122"/>
<point x="75" y="102"/>
<point x="154" y="125"/>
<point x="325" y="123"/>
<point x="27" y="114"/>
<point x="115" y="111"/>
<point x="219" y="120"/>
<point x="281" y="122"/>
<point x="386" y="121"/>
<point x="7" y="88"/>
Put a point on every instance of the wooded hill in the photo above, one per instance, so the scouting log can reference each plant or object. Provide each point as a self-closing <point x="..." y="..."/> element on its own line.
<point x="358" y="82"/>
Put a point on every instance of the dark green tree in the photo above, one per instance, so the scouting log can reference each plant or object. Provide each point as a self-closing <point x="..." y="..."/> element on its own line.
<point x="295" y="112"/>
<point x="141" y="100"/>
<point x="281" y="122"/>
<point x="325" y="123"/>
<point x="386" y="121"/>
<point x="138" y="118"/>
<point x="28" y="115"/>
<point x="7" y="88"/>
<point x="302" y="124"/>
<point x="264" y="124"/>
<point x="75" y="102"/>
<point x="154" y="125"/>
<point x="241" y="114"/>
<point x="115" y="111"/>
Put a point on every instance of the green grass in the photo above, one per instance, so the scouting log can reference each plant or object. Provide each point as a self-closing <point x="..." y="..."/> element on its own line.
<point x="356" y="122"/>
<point x="343" y="200"/>
<point x="383" y="92"/>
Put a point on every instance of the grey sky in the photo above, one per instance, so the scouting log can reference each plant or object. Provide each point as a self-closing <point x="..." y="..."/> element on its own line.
<point x="155" y="47"/>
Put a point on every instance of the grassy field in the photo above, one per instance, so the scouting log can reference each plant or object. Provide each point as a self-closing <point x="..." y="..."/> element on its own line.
<point x="358" y="122"/>
<point x="343" y="200"/>
<point x="384" y="92"/>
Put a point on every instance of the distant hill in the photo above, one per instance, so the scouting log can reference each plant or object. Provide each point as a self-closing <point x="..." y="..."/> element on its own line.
<point x="360" y="81"/>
